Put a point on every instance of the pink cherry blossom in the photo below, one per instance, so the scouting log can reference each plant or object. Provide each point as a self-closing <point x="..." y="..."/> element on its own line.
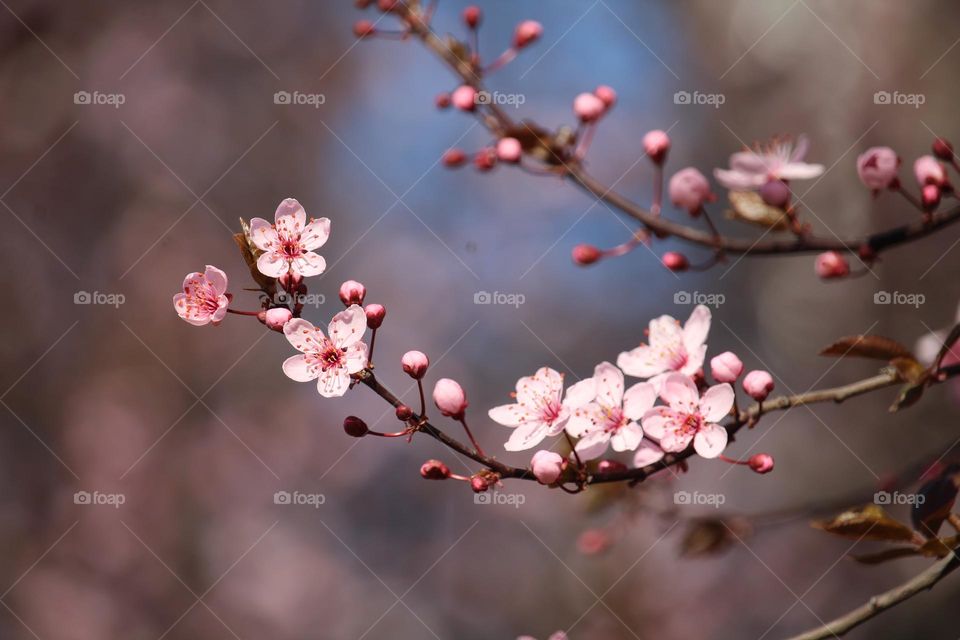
<point x="539" y="411"/>
<point x="612" y="418"/>
<point x="588" y="107"/>
<point x="689" y="416"/>
<point x="450" y="398"/>
<point x="758" y="385"/>
<point x="204" y="299"/>
<point x="547" y="466"/>
<point x="689" y="189"/>
<point x="647" y="453"/>
<point x="877" y="167"/>
<point x="671" y="347"/>
<point x="780" y="159"/>
<point x="288" y="244"/>
<point x="331" y="360"/>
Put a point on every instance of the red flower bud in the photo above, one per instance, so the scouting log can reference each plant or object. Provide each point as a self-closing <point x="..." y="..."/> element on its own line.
<point x="375" y="314"/>
<point x="585" y="254"/>
<point x="434" y="470"/>
<point x="355" y="427"/>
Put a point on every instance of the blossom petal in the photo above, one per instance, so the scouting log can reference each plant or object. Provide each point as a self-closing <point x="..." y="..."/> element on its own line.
<point x="675" y="441"/>
<point x="609" y="381"/>
<point x="593" y="445"/>
<point x="297" y="368"/>
<point x="188" y="314"/>
<point x="696" y="329"/>
<point x="642" y="362"/>
<point x="748" y="162"/>
<point x="694" y="361"/>
<point x="347" y="327"/>
<point x="333" y="382"/>
<point x="585" y="420"/>
<point x="581" y="393"/>
<point x="272" y="264"/>
<point x="799" y="171"/>
<point x="315" y="234"/>
<point x="222" y="303"/>
<point x="526" y="436"/>
<point x="263" y="235"/>
<point x="680" y="393"/>
<point x="716" y="402"/>
<point x="657" y="421"/>
<point x="532" y="389"/>
<point x="216" y="278"/>
<point x="647" y="453"/>
<point x="308" y="264"/>
<point x="739" y="180"/>
<point x="639" y="399"/>
<point x="290" y="218"/>
<point x="710" y="441"/>
<point x="303" y="335"/>
<point x="627" y="437"/>
<point x="509" y="415"/>
<point x="356" y="357"/>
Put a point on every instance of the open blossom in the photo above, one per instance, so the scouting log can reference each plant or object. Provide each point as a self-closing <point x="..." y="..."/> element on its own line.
<point x="612" y="418"/>
<point x="778" y="160"/>
<point x="331" y="360"/>
<point x="688" y="416"/>
<point x="288" y="244"/>
<point x="671" y="348"/>
<point x="204" y="298"/>
<point x="539" y="411"/>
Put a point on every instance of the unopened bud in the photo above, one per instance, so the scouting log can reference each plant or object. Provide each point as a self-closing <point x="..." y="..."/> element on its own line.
<point x="675" y="261"/>
<point x="472" y="16"/>
<point x="276" y="318"/>
<point x="479" y="484"/>
<point x="464" y="98"/>
<point x="434" y="470"/>
<point x="352" y="292"/>
<point x="758" y="385"/>
<point x="355" y="427"/>
<point x="943" y="149"/>
<point x="588" y="107"/>
<point x="415" y="364"/>
<point x="761" y="462"/>
<point x="830" y="265"/>
<point x="442" y="101"/>
<point x="726" y="367"/>
<point x="453" y="158"/>
<point x="509" y="150"/>
<point x="775" y="193"/>
<point x="930" y="197"/>
<point x="526" y="33"/>
<point x="363" y="28"/>
<point x="485" y="159"/>
<point x="607" y="95"/>
<point x="375" y="314"/>
<point x="449" y="397"/>
<point x="585" y="254"/>
<point x="404" y="413"/>
<point x="656" y="144"/>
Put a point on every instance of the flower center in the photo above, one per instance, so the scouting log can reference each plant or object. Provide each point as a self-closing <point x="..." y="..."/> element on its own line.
<point x="613" y="418"/>
<point x="691" y="424"/>
<point x="290" y="248"/>
<point x="329" y="356"/>
<point x="549" y="408"/>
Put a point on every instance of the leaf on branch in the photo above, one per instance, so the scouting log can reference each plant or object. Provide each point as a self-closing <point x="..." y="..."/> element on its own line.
<point x="935" y="501"/>
<point x="875" y="347"/>
<point x="886" y="555"/>
<point x="940" y="547"/>
<point x="870" y="522"/>
<point x="909" y="395"/>
<point x="711" y="536"/>
<point x="748" y="206"/>
<point x="952" y="337"/>
<point x="910" y="370"/>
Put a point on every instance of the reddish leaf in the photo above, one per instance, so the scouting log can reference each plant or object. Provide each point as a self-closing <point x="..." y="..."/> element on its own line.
<point x="876" y="347"/>
<point x="870" y="522"/>
<point x="886" y="555"/>
<point x="938" y="497"/>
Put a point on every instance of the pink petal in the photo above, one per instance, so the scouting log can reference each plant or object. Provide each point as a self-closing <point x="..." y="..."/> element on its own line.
<point x="272" y="264"/>
<point x="799" y="171"/>
<point x="680" y="393"/>
<point x="333" y="382"/>
<point x="356" y="357"/>
<point x="581" y="393"/>
<point x="531" y="389"/>
<point x="303" y="336"/>
<point x="347" y="327"/>
<point x="263" y="235"/>
<point x="609" y="381"/>
<point x="315" y="234"/>
<point x="221" y="312"/>
<point x="509" y="415"/>
<point x="658" y="421"/>
<point x="639" y="399"/>
<point x="716" y="402"/>
<point x="695" y="360"/>
<point x="647" y="453"/>
<point x="584" y="420"/>
<point x="675" y="441"/>
<point x="525" y="437"/>
<point x="192" y="282"/>
<point x="627" y="437"/>
<point x="800" y="151"/>
<point x="665" y="333"/>
<point x="593" y="445"/>
<point x="642" y="362"/>
<point x="216" y="278"/>
<point x="696" y="329"/>
<point x="308" y="264"/>
<point x="710" y="441"/>
<point x="738" y="180"/>
<point x="290" y="218"/>
<point x="748" y="162"/>
<point x="296" y="368"/>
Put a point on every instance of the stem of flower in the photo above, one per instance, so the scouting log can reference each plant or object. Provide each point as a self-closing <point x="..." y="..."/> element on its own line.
<point x="243" y="313"/>
<point x="476" y="445"/>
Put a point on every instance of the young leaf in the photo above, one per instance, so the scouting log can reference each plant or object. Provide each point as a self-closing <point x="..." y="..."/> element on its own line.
<point x="886" y="555"/>
<point x="909" y="395"/>
<point x="748" y="206"/>
<point x="910" y="370"/>
<point x="938" y="497"/>
<point x="939" y="547"/>
<point x="876" y="347"/>
<point x="870" y="522"/>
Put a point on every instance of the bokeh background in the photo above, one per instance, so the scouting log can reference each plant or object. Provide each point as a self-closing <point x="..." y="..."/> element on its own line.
<point x="198" y="428"/>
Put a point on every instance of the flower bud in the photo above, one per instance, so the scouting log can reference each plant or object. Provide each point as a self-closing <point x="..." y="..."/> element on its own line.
<point x="761" y="462"/>
<point x="355" y="427"/>
<point x="758" y="385"/>
<point x="434" y="470"/>
<point x="689" y="189"/>
<point x="479" y="484"/>
<point x="375" y="314"/>
<point x="352" y="292"/>
<point x="930" y="197"/>
<point x="276" y="318"/>
<point x="593" y="541"/>
<point x="464" y="98"/>
<point x="588" y="107"/>
<point x="675" y="261"/>
<point x="656" y="144"/>
<point x="442" y="101"/>
<point x="610" y="466"/>
<point x="878" y="167"/>
<point x="449" y="398"/>
<point x="831" y="264"/>
<point x="471" y="16"/>
<point x="929" y="171"/>
<point x="404" y="413"/>
<point x="387" y="5"/>
<point x="415" y="364"/>
<point x="363" y="28"/>
<point x="509" y="150"/>
<point x="547" y="466"/>
<point x="607" y="95"/>
<point x="943" y="149"/>
<point x="485" y="159"/>
<point x="453" y="158"/>
<point x="726" y="367"/>
<point x="775" y="193"/>
<point x="585" y="254"/>
<point x="526" y="33"/>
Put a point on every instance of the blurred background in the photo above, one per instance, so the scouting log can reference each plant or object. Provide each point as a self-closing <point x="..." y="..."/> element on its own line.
<point x="118" y="192"/>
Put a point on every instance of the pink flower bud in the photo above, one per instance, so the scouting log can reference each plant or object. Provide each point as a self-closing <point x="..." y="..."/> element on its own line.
<point x="415" y="364"/>
<point x="509" y="150"/>
<point x="588" y="107"/>
<point x="449" y="398"/>
<point x="593" y="541"/>
<point x="930" y="197"/>
<point x="485" y="159"/>
<point x="585" y="254"/>
<point x="775" y="193"/>
<point x="609" y="466"/>
<point x="355" y="427"/>
<point x="689" y="189"/>
<point x="387" y="5"/>
<point x="442" y="101"/>
<point x="454" y="158"/>
<point x="877" y="167"/>
<point x="929" y="171"/>
<point x="758" y="385"/>
<point x="526" y="33"/>
<point x="434" y="470"/>
<point x="831" y="264"/>
<point x="352" y="292"/>
<point x="471" y="16"/>
<point x="276" y="318"/>
<point x="363" y="28"/>
<point x="656" y="144"/>
<point x="464" y="98"/>
<point x="607" y="95"/>
<point x="761" y="462"/>
<point x="943" y="149"/>
<point x="375" y="314"/>
<point x="479" y="484"/>
<point x="547" y="466"/>
<point x="675" y="261"/>
<point x="404" y="413"/>
<point x="726" y="367"/>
